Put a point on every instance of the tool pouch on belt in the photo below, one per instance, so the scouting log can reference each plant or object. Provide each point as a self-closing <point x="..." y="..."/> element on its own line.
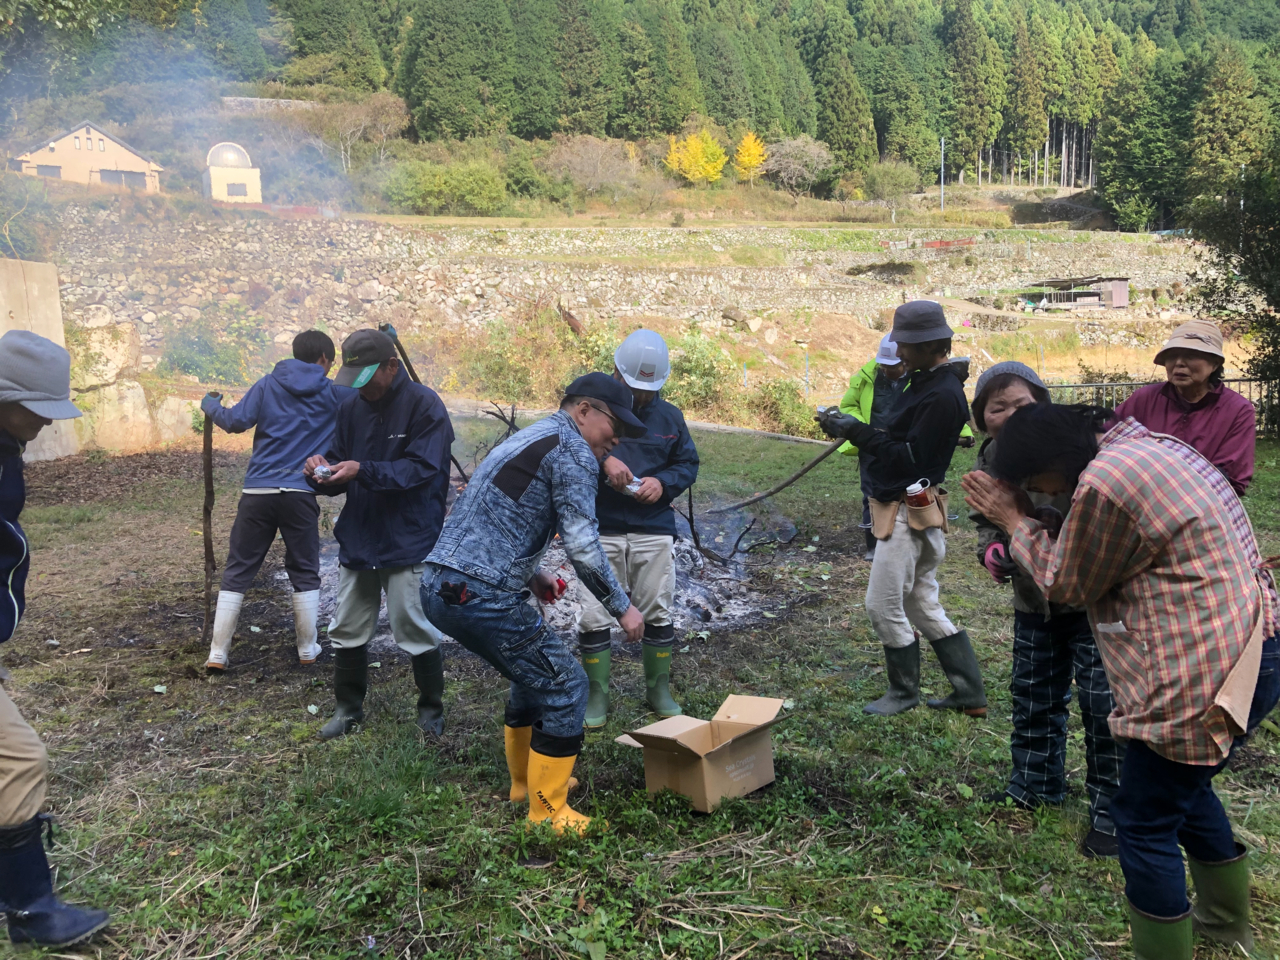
<point x="934" y="516"/>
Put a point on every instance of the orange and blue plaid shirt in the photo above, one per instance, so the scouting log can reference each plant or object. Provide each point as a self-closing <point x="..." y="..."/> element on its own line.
<point x="1150" y="550"/>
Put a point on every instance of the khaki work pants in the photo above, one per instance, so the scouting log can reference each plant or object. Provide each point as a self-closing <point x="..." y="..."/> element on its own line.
<point x="902" y="591"/>
<point x="23" y="765"/>
<point x="645" y="566"/>
<point x="360" y="596"/>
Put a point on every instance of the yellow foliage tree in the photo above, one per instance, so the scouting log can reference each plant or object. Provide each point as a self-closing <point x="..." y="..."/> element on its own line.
<point x="698" y="158"/>
<point x="750" y="156"/>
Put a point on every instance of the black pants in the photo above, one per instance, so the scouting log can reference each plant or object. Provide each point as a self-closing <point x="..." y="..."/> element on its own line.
<point x="1046" y="652"/>
<point x="296" y="516"/>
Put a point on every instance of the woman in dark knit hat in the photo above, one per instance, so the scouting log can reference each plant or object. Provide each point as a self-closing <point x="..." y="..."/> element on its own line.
<point x="1050" y="642"/>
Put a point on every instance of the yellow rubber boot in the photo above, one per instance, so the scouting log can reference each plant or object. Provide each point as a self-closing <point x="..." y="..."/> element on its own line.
<point x="517" y="745"/>
<point x="549" y="779"/>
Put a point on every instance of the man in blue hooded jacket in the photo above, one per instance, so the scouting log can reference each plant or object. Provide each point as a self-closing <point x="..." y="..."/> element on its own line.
<point x="35" y="390"/>
<point x="293" y="412"/>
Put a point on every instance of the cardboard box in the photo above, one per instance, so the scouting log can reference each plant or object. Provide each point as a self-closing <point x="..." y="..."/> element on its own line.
<point x="708" y="760"/>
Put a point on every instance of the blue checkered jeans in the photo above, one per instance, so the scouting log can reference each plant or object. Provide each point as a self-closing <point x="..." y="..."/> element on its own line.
<point x="1046" y="651"/>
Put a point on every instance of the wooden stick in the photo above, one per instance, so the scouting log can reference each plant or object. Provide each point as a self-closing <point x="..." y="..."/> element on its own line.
<point x="785" y="483"/>
<point x="210" y="563"/>
<point x="390" y="331"/>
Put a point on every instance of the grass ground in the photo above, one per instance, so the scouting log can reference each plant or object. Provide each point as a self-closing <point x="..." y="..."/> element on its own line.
<point x="214" y="823"/>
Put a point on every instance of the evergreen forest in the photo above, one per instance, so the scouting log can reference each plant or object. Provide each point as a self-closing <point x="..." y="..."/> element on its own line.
<point x="1152" y="103"/>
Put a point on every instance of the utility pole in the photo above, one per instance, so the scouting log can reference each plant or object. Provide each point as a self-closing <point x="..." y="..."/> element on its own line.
<point x="942" y="175"/>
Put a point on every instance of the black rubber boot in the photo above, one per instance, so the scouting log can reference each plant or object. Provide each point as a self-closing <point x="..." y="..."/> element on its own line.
<point x="350" y="681"/>
<point x="428" y="674"/>
<point x="902" y="667"/>
<point x="871" y="545"/>
<point x="955" y="653"/>
<point x="35" y="914"/>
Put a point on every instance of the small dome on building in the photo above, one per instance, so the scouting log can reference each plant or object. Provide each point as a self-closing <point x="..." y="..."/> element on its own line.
<point x="228" y="155"/>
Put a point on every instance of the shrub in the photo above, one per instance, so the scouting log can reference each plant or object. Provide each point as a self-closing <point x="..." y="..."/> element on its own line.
<point x="221" y="347"/>
<point x="700" y="373"/>
<point x="592" y="165"/>
<point x="473" y="189"/>
<point x="780" y="407"/>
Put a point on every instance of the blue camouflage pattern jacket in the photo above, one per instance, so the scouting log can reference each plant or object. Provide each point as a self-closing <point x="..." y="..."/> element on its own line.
<point x="535" y="484"/>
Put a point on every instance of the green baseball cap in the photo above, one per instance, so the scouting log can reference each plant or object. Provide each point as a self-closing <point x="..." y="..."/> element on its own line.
<point x="362" y="353"/>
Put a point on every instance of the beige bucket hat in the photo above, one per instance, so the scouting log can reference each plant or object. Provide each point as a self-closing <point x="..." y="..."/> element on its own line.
<point x="1203" y="336"/>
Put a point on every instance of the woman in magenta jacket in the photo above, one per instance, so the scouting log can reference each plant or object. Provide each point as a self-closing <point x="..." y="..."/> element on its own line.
<point x="1194" y="405"/>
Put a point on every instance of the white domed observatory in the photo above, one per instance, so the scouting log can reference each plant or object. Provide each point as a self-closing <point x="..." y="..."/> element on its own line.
<point x="230" y="176"/>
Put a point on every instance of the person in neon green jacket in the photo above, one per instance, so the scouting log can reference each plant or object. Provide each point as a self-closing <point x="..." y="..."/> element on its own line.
<point x="872" y="392"/>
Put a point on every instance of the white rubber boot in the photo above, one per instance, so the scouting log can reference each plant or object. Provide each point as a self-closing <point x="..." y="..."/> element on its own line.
<point x="306" y="610"/>
<point x="224" y="628"/>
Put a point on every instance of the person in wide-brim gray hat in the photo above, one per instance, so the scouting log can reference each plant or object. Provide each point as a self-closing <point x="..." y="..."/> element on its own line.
<point x="920" y="321"/>
<point x="35" y="390"/>
<point x="35" y="384"/>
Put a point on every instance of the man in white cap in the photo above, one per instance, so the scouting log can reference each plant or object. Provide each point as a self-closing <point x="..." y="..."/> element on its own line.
<point x="35" y="390"/>
<point x="638" y="528"/>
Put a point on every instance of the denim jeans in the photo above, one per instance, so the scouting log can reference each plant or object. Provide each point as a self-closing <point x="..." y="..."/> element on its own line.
<point x="1267" y="693"/>
<point x="1160" y="806"/>
<point x="548" y="686"/>
<point x="1046" y="652"/>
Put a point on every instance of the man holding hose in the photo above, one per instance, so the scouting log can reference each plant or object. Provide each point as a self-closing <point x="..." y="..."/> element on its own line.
<point x="916" y="446"/>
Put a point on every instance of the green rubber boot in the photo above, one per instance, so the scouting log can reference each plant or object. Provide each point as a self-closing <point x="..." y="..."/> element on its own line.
<point x="1160" y="938"/>
<point x="596" y="661"/>
<point x="1221" y="910"/>
<point x="657" y="679"/>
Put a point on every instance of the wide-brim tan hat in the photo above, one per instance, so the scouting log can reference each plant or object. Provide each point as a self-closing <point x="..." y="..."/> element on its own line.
<point x="1202" y="336"/>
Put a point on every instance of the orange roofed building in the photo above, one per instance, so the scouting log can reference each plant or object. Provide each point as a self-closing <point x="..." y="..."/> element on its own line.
<point x="88" y="154"/>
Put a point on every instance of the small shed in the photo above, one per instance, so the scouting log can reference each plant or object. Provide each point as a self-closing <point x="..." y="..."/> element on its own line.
<point x="1079" y="293"/>
<point x="88" y="154"/>
<point x="230" y="176"/>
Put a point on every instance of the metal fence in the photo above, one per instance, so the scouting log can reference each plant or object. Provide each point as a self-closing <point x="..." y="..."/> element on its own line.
<point x="1263" y="394"/>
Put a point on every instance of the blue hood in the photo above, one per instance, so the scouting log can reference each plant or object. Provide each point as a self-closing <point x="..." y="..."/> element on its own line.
<point x="301" y="379"/>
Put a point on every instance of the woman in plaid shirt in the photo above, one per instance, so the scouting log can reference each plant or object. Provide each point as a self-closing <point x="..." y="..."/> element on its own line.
<point x="1150" y="549"/>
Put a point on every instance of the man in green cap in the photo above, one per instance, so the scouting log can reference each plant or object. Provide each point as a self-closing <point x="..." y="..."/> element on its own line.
<point x="390" y="456"/>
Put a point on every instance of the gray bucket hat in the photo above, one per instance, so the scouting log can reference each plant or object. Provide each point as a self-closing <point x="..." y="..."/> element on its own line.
<point x="1021" y="370"/>
<point x="920" y="321"/>
<point x="36" y="373"/>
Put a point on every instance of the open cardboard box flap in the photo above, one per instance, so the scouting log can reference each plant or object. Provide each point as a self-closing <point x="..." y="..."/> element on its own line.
<point x="691" y="737"/>
<point x="739" y="715"/>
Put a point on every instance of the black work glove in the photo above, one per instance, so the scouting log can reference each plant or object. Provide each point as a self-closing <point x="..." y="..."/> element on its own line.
<point x="965" y="442"/>
<point x="841" y="426"/>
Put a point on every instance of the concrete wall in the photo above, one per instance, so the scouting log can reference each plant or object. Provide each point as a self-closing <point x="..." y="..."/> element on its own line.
<point x="29" y="301"/>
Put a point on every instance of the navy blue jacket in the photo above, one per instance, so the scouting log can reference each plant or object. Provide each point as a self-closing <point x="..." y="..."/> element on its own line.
<point x="667" y="453"/>
<point x="15" y="556"/>
<point x="293" y="408"/>
<point x="395" y="505"/>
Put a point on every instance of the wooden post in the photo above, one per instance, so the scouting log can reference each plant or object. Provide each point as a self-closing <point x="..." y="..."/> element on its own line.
<point x="210" y="564"/>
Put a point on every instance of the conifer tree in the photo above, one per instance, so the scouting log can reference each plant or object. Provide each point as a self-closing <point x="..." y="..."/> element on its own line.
<point x="584" y="104"/>
<point x="972" y="69"/>
<point x="539" y="91"/>
<point x="640" y="109"/>
<point x="1230" y="127"/>
<point x="1191" y="23"/>
<point x="675" y="68"/>
<point x="722" y="67"/>
<point x="456" y="73"/>
<point x="845" y="123"/>
<point x="1028" y="122"/>
<point x="903" y="120"/>
<point x="1163" y="25"/>
<point x="320" y="26"/>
